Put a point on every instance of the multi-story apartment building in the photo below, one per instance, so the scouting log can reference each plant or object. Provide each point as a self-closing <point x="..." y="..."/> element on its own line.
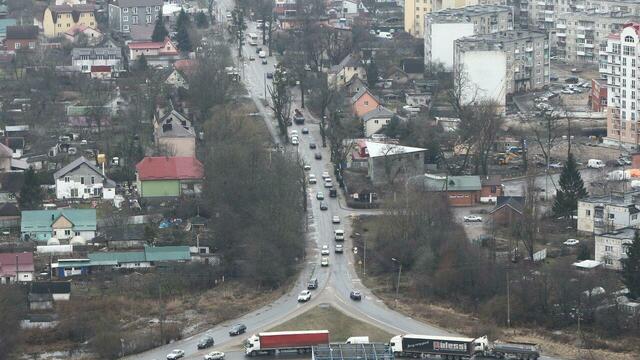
<point x="543" y="14"/>
<point x="125" y="13"/>
<point x="580" y="33"/>
<point x="496" y="65"/>
<point x="611" y="247"/>
<point x="58" y="19"/>
<point x="602" y="214"/>
<point x="442" y="28"/>
<point x="619" y="65"/>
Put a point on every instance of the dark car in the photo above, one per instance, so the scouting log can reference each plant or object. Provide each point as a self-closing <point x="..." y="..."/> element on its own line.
<point x="355" y="295"/>
<point x="572" y="80"/>
<point x="313" y="284"/>
<point x="264" y="61"/>
<point x="237" y="329"/>
<point x="323" y="206"/>
<point x="305" y="130"/>
<point x="269" y="75"/>
<point x="318" y="156"/>
<point x="312" y="146"/>
<point x="258" y="49"/>
<point x="333" y="193"/>
<point x="205" y="342"/>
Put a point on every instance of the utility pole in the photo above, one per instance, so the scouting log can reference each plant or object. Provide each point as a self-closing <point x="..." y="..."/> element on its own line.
<point x="508" y="301"/>
<point x="398" y="281"/>
<point x="161" y="314"/>
<point x="364" y="258"/>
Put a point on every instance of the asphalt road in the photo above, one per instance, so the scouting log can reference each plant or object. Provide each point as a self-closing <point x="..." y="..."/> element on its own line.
<point x="335" y="281"/>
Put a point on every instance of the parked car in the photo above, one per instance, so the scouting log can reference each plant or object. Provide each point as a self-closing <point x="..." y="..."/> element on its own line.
<point x="305" y="130"/>
<point x="355" y="295"/>
<point x="572" y="80"/>
<point x="318" y="156"/>
<point x="555" y="165"/>
<point x="264" y="61"/>
<point x="306" y="167"/>
<point x="258" y="49"/>
<point x="175" y="354"/>
<point x="339" y="249"/>
<point x="269" y="75"/>
<point x="328" y="183"/>
<point x="312" y="146"/>
<point x="472" y="218"/>
<point x="295" y="141"/>
<point x="325" y="250"/>
<point x="333" y="193"/>
<point x="595" y="164"/>
<point x="324" y="261"/>
<point x="312" y="179"/>
<point x="320" y="195"/>
<point x="325" y="175"/>
<point x="335" y="219"/>
<point x="205" y="342"/>
<point x="305" y="295"/>
<point x="252" y="58"/>
<point x="312" y="284"/>
<point x="237" y="329"/>
<point x="572" y="242"/>
<point x="323" y="206"/>
<point x="214" y="355"/>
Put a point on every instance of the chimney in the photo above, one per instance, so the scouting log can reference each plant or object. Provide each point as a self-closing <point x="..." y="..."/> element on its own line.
<point x="166" y="127"/>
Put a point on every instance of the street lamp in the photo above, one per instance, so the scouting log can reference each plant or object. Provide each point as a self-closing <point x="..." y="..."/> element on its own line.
<point x="398" y="281"/>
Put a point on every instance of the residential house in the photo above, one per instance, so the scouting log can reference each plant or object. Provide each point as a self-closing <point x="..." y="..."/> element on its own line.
<point x="601" y="214"/>
<point x="342" y="73"/>
<point x="354" y="85"/>
<point x="80" y="179"/>
<point x="397" y="76"/>
<point x="491" y="188"/>
<point x="375" y="120"/>
<point x="10" y="185"/>
<point x="123" y="14"/>
<point x="363" y="102"/>
<point x="163" y="176"/>
<point x="89" y="117"/>
<point x="64" y="268"/>
<point x="61" y="224"/>
<point x="16" y="267"/>
<point x="611" y="247"/>
<point x="44" y="294"/>
<point x="389" y="163"/>
<point x="4" y="23"/>
<point x="83" y="59"/>
<point x="92" y="36"/>
<point x="460" y="190"/>
<point x="60" y="18"/>
<point x="141" y="32"/>
<point x="145" y="258"/>
<point x="21" y="38"/>
<point x="157" y="53"/>
<point x="4" y="11"/>
<point x="177" y="80"/>
<point x="9" y="215"/>
<point x="173" y="134"/>
<point x="417" y="99"/>
<point x="6" y="154"/>
<point x="448" y="124"/>
<point x="508" y="210"/>
<point x="413" y="67"/>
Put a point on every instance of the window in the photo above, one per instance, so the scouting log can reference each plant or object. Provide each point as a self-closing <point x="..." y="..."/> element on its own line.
<point x="125" y="27"/>
<point x="628" y="50"/>
<point x="634" y="217"/>
<point x="125" y="18"/>
<point x="67" y="232"/>
<point x="149" y="19"/>
<point x="628" y="39"/>
<point x="366" y="103"/>
<point x="17" y="45"/>
<point x="157" y="8"/>
<point x="134" y="19"/>
<point x="608" y="261"/>
<point x="612" y="216"/>
<point x="126" y="10"/>
<point x="66" y="179"/>
<point x="87" y="191"/>
<point x="134" y="10"/>
<point x="74" y="192"/>
<point x="93" y="180"/>
<point x="608" y="248"/>
<point x="494" y="189"/>
<point x="148" y="10"/>
<point x="32" y="45"/>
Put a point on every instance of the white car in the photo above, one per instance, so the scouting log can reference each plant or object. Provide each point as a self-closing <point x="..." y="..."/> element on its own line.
<point x="214" y="355"/>
<point x="312" y="179"/>
<point x="293" y="133"/>
<point x="335" y="219"/>
<point x="325" y="175"/>
<point x="295" y="141"/>
<point x="307" y="167"/>
<point x="328" y="183"/>
<point x="325" y="250"/>
<point x="472" y="218"/>
<point x="324" y="261"/>
<point x="175" y="354"/>
<point x="305" y="295"/>
<point x="572" y="242"/>
<point x="320" y="195"/>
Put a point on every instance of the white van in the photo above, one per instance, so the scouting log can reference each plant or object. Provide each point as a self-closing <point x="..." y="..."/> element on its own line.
<point x="339" y="234"/>
<point x="357" y="340"/>
<point x="595" y="164"/>
<point x="262" y="54"/>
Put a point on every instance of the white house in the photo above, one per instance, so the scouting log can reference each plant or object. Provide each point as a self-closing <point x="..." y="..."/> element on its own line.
<point x="80" y="179"/>
<point x="601" y="214"/>
<point x="611" y="247"/>
<point x="82" y="59"/>
<point x="376" y="119"/>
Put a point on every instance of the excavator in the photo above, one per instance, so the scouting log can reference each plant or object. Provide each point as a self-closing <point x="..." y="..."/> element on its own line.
<point x="506" y="158"/>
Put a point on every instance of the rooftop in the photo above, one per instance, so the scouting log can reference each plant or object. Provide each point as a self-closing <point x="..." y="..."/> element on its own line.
<point x="8" y="263"/>
<point x="432" y="182"/>
<point x="377" y="149"/>
<point x="463" y="14"/>
<point x="497" y="40"/>
<point x="41" y="220"/>
<point x="170" y="168"/>
<point x="629" y="198"/>
<point x="174" y="124"/>
<point x="22" y="32"/>
<point x="160" y="253"/>
<point x="379" y="112"/>
<point x="93" y="52"/>
<point x="621" y="234"/>
<point x="139" y="3"/>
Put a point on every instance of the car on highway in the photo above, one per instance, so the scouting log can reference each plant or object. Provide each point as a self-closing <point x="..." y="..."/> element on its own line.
<point x="264" y="61"/>
<point x="294" y="140"/>
<point x="304" y="296"/>
<point x="324" y="206"/>
<point x="305" y="130"/>
<point x="312" y="284"/>
<point x="312" y="146"/>
<point x="328" y="183"/>
<point x="472" y="218"/>
<point x="320" y="195"/>
<point x="214" y="355"/>
<point x="269" y="75"/>
<point x="571" y="242"/>
<point x="175" y="354"/>
<point x="338" y="249"/>
<point x="312" y="179"/>
<point x="258" y="49"/>
<point x="355" y="295"/>
<point x="318" y="156"/>
<point x="324" y="261"/>
<point x="325" y="250"/>
<point x="556" y="165"/>
<point x="306" y="167"/>
<point x="237" y="329"/>
<point x="338" y="235"/>
<point x="252" y="58"/>
<point x="205" y="342"/>
<point x="335" y="219"/>
<point x="325" y="175"/>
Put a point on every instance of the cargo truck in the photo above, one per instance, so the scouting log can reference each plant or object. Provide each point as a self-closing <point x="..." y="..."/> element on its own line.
<point x="457" y="348"/>
<point x="268" y="343"/>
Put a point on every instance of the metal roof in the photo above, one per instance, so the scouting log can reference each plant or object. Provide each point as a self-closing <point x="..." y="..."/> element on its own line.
<point x="373" y="351"/>
<point x="41" y="220"/>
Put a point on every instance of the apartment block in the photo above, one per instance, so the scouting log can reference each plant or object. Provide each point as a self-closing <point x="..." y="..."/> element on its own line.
<point x="606" y="213"/>
<point x="543" y="14"/>
<point x="580" y="33"/>
<point x="123" y="14"/>
<point x="618" y="66"/>
<point x="442" y="28"/>
<point x="500" y="64"/>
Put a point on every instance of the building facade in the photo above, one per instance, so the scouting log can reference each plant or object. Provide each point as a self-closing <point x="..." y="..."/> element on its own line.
<point x="415" y="11"/>
<point x="81" y="179"/>
<point x="173" y="134"/>
<point x="62" y="224"/>
<point x="162" y="176"/>
<point x="500" y="64"/>
<point x="598" y="95"/>
<point x="601" y="214"/>
<point x="391" y="163"/>
<point x="58" y="19"/>
<point x="82" y="59"/>
<point x="442" y="28"/>
<point x="611" y="247"/>
<point x="123" y="14"/>
<point x="21" y="38"/>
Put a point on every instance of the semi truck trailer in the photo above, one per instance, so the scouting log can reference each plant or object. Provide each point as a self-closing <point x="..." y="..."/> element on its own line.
<point x="268" y="343"/>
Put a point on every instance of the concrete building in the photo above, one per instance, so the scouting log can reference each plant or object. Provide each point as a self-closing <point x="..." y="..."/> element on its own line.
<point x="123" y="14"/>
<point x="442" y="28"/>
<point x="618" y="66"/>
<point x="415" y="11"/>
<point x="496" y="65"/>
<point x="580" y="33"/>
<point x="58" y="19"/>
<point x="543" y="14"/>
<point x="82" y="59"/>
<point x="391" y="163"/>
<point x="611" y="247"/>
<point x="601" y="214"/>
<point x="62" y="224"/>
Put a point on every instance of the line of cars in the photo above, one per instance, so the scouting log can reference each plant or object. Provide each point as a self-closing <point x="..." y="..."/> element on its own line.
<point x="207" y="342"/>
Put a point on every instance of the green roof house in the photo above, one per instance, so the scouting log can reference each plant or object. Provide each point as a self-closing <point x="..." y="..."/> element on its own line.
<point x="61" y="224"/>
<point x="460" y="190"/>
<point x="143" y="258"/>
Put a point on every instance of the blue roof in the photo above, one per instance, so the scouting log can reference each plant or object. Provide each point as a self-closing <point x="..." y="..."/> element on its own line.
<point x="3" y="26"/>
<point x="160" y="253"/>
<point x="41" y="220"/>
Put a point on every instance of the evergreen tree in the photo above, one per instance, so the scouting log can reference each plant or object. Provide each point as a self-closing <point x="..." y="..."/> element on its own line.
<point x="571" y="189"/>
<point x="182" y="27"/>
<point x="31" y="193"/>
<point x="141" y="63"/>
<point x="372" y="73"/>
<point x="202" y="21"/>
<point x="631" y="267"/>
<point x="159" y="31"/>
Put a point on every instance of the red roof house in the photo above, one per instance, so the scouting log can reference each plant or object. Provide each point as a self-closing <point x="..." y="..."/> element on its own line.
<point x="151" y="49"/>
<point x="16" y="263"/>
<point x="165" y="176"/>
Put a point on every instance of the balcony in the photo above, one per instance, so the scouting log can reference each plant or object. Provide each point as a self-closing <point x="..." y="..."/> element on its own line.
<point x="541" y="3"/>
<point x="580" y="36"/>
<point x="561" y="26"/>
<point x="548" y="19"/>
<point x="561" y="34"/>
<point x="584" y="28"/>
<point x="589" y="45"/>
<point x="529" y="49"/>
<point x="580" y="53"/>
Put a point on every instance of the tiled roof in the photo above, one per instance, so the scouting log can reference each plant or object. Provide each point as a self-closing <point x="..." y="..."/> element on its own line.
<point x="362" y="91"/>
<point x="170" y="168"/>
<point x="377" y="113"/>
<point x="8" y="263"/>
<point x="22" y="32"/>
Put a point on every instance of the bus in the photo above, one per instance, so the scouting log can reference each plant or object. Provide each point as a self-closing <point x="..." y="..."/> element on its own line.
<point x="253" y="39"/>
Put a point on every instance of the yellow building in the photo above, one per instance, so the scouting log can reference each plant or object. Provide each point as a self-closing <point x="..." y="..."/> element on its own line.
<point x="415" y="11"/>
<point x="60" y="18"/>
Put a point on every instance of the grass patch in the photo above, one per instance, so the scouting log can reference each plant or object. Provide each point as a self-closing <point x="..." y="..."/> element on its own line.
<point x="340" y="326"/>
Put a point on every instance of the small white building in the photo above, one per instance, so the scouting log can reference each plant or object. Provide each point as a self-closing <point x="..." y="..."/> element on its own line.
<point x="611" y="247"/>
<point x="376" y="119"/>
<point x="82" y="59"/>
<point x="80" y="179"/>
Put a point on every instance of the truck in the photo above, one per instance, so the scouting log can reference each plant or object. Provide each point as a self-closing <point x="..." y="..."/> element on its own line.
<point x="268" y="343"/>
<point x="460" y="347"/>
<point x="357" y="340"/>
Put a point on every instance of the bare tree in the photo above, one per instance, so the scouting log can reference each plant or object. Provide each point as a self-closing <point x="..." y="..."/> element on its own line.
<point x="529" y="226"/>
<point x="281" y="101"/>
<point x="478" y="130"/>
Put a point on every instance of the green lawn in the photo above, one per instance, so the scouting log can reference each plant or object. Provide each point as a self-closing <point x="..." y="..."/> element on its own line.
<point x="340" y="326"/>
